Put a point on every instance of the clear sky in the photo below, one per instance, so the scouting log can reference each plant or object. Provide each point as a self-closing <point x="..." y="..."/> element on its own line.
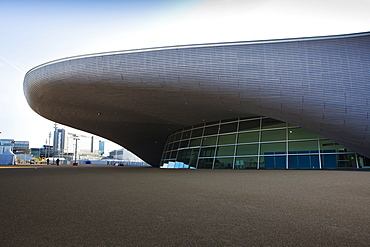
<point x="37" y="31"/>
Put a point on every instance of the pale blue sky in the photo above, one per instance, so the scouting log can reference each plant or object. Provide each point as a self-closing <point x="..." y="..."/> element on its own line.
<point x="34" y="32"/>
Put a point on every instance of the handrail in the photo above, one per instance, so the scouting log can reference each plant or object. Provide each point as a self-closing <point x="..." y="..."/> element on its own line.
<point x="340" y="36"/>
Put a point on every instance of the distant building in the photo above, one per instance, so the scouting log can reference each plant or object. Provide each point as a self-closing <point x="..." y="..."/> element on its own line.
<point x="59" y="139"/>
<point x="101" y="147"/>
<point x="18" y="147"/>
<point x="45" y="152"/>
<point x="88" y="146"/>
<point x="123" y="154"/>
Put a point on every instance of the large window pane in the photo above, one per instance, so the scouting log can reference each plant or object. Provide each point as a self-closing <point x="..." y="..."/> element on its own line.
<point x="207" y="152"/>
<point x="346" y="161"/>
<point x="193" y="157"/>
<point x="197" y="132"/>
<point x="274" y="162"/>
<point x="209" y="141"/>
<point x="328" y="146"/>
<point x="188" y="156"/>
<point x="173" y="155"/>
<point x="226" y="139"/>
<point x="300" y="134"/>
<point x="183" y="156"/>
<point x="224" y="163"/>
<point x="271" y="148"/>
<point x="184" y="144"/>
<point x="248" y="137"/>
<point x="246" y="163"/>
<point x="169" y="147"/>
<point x="273" y="135"/>
<point x="167" y="155"/>
<point x="315" y="163"/>
<point x="304" y="146"/>
<point x="303" y="161"/>
<point x="363" y="162"/>
<point x="212" y="130"/>
<point x="166" y="145"/>
<point x="176" y="145"/>
<point x="225" y="151"/>
<point x="262" y="162"/>
<point x="249" y="125"/>
<point x="280" y="162"/>
<point x="205" y="163"/>
<point x="186" y="134"/>
<point x="293" y="161"/>
<point x="248" y="149"/>
<point x="227" y="128"/>
<point x="329" y="161"/>
<point x="269" y="123"/>
<point x="178" y="136"/>
<point x="334" y="161"/>
<point x="195" y="142"/>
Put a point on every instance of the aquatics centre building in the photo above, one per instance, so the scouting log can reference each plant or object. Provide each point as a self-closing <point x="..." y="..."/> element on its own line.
<point x="301" y="103"/>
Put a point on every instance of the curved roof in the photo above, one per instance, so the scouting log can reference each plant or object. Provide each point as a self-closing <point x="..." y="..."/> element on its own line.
<point x="136" y="98"/>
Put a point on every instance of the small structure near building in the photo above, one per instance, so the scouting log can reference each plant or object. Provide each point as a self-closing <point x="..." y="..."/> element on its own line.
<point x="176" y="165"/>
<point x="7" y="158"/>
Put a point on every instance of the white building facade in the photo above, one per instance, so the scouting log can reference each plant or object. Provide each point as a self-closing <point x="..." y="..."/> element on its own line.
<point x="74" y="144"/>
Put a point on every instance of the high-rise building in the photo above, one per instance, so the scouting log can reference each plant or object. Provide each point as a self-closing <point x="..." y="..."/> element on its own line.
<point x="58" y="143"/>
<point x="65" y="141"/>
<point x="101" y="147"/>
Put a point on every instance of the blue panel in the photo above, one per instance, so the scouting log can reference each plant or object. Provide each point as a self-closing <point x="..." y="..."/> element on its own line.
<point x="329" y="161"/>
<point x="315" y="162"/>
<point x="293" y="162"/>
<point x="304" y="162"/>
<point x="280" y="162"/>
<point x="269" y="163"/>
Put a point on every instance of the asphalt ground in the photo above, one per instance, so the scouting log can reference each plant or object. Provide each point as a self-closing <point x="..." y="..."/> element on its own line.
<point x="121" y="206"/>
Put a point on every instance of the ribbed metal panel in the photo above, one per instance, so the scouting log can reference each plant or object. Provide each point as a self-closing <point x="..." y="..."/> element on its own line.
<point x="321" y="84"/>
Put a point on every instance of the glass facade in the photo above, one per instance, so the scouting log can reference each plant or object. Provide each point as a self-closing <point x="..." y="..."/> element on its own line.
<point x="257" y="143"/>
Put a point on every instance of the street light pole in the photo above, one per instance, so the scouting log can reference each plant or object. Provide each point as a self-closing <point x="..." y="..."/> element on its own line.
<point x="48" y="148"/>
<point x="76" y="148"/>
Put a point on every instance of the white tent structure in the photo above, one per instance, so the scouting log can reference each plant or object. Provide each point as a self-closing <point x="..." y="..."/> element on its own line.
<point x="7" y="158"/>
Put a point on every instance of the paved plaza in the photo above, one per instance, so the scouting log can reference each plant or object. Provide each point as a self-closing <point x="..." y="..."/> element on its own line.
<point x="121" y="206"/>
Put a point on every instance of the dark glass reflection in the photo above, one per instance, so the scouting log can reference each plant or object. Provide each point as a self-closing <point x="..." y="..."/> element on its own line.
<point x="262" y="143"/>
<point x="249" y="125"/>
<point x="269" y="123"/>
<point x="224" y="163"/>
<point x="211" y="130"/>
<point x="205" y="163"/>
